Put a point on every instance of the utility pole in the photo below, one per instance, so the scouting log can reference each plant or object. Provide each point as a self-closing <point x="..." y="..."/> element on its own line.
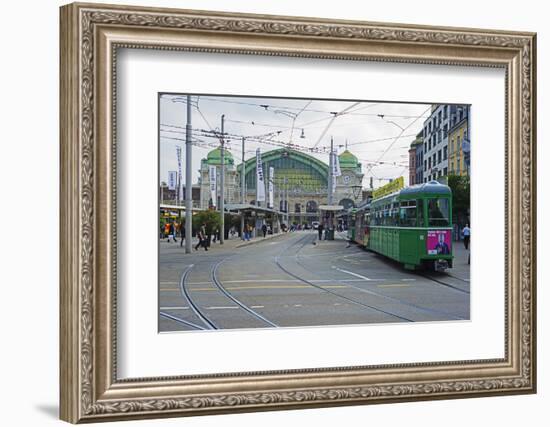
<point x="243" y="200"/>
<point x="286" y="202"/>
<point x="330" y="175"/>
<point x="188" y="183"/>
<point x="222" y="185"/>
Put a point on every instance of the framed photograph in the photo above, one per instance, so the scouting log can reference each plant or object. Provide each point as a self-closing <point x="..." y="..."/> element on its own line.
<point x="268" y="212"/>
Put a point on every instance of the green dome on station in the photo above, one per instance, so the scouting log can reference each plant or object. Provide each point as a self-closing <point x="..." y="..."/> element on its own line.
<point x="214" y="157"/>
<point x="348" y="160"/>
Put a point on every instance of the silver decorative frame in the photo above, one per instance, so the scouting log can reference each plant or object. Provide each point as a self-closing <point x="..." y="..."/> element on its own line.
<point x="90" y="36"/>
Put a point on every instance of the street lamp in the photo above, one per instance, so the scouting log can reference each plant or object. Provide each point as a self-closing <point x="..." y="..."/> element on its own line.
<point x="390" y="121"/>
<point x="356" y="191"/>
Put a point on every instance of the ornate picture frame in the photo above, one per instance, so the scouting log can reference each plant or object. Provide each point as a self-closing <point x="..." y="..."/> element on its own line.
<point x="90" y="37"/>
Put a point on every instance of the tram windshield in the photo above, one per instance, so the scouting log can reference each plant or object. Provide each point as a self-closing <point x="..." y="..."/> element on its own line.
<point x="438" y="212"/>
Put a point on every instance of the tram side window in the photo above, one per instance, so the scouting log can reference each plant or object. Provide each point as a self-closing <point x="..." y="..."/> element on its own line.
<point x="395" y="214"/>
<point x="420" y="210"/>
<point x="438" y="212"/>
<point x="407" y="214"/>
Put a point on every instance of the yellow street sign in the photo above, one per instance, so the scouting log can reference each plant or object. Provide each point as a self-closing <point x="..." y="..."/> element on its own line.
<point x="391" y="187"/>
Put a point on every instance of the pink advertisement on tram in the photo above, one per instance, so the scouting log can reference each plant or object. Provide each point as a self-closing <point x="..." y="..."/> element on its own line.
<point x="439" y="242"/>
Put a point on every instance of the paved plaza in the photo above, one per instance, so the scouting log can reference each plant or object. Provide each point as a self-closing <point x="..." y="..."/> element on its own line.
<point x="293" y="280"/>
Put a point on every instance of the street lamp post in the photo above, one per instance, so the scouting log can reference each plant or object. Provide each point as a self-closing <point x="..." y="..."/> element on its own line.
<point x="222" y="184"/>
<point x="287" y="204"/>
<point x="330" y="175"/>
<point x="188" y="179"/>
<point x="243" y="200"/>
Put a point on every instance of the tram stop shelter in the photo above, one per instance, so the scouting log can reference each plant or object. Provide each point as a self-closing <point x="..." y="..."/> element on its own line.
<point x="328" y="214"/>
<point x="256" y="216"/>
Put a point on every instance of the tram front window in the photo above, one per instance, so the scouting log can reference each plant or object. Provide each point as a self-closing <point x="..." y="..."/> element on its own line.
<point x="438" y="212"/>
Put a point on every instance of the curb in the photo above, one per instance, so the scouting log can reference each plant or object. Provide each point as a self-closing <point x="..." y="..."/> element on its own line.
<point x="260" y="240"/>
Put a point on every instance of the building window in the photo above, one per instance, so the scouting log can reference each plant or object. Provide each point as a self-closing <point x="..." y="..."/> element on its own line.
<point x="425" y="147"/>
<point x="445" y="171"/>
<point x="433" y="159"/>
<point x="444" y="153"/>
<point x="429" y="163"/>
<point x="425" y="168"/>
<point x="439" y="157"/>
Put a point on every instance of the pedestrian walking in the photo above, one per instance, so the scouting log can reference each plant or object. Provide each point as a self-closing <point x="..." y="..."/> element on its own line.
<point x="201" y="234"/>
<point x="320" y="231"/>
<point x="167" y="231"/>
<point x="172" y="231"/>
<point x="466" y="233"/>
<point x="215" y="235"/>
<point x="182" y="233"/>
<point x="264" y="230"/>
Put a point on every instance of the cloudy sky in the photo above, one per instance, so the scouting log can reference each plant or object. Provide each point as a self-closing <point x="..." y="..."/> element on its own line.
<point x="378" y="133"/>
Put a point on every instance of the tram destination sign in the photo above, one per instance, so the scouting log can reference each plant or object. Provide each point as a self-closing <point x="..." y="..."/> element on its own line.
<point x="390" y="187"/>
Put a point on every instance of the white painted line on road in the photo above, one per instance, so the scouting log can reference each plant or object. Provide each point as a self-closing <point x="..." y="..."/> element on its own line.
<point x="174" y="308"/>
<point x="256" y="306"/>
<point x="346" y="280"/>
<point x="222" y="308"/>
<point x="297" y="305"/>
<point x="261" y="281"/>
<point x="395" y="285"/>
<point x="408" y="280"/>
<point x="352" y="273"/>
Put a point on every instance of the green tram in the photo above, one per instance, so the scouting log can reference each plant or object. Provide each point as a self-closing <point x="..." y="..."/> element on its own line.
<point x="411" y="226"/>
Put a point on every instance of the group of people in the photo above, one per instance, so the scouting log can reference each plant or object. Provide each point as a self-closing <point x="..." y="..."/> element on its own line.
<point x="171" y="230"/>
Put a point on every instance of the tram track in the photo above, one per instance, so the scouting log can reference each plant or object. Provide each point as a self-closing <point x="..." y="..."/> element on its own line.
<point x="196" y="309"/>
<point x="180" y="320"/>
<point x="210" y="324"/>
<point x="388" y="298"/>
<point x="448" y="285"/>
<point x="292" y="250"/>
<point x="229" y="295"/>
<point x="329" y="291"/>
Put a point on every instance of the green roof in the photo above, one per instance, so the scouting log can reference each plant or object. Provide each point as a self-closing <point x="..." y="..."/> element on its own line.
<point x="214" y="157"/>
<point x="348" y="160"/>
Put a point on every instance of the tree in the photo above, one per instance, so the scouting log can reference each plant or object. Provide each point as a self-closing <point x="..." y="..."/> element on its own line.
<point x="210" y="218"/>
<point x="460" y="186"/>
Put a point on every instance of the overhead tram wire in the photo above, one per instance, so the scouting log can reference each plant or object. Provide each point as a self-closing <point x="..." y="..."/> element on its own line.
<point x="335" y="115"/>
<point x="267" y="107"/>
<point x="399" y="136"/>
<point x="268" y="138"/>
<point x="370" y="141"/>
<point x="281" y="144"/>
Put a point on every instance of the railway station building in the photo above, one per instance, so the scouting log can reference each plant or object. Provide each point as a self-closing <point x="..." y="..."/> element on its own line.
<point x="300" y="182"/>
